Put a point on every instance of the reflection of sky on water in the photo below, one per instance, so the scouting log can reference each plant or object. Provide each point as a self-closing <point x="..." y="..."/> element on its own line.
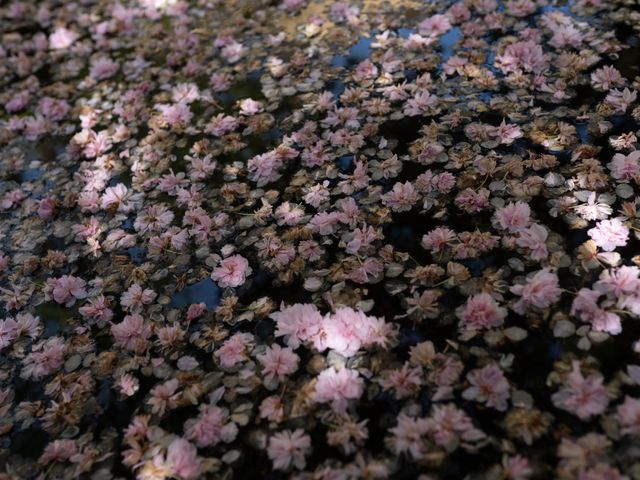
<point x="203" y="291"/>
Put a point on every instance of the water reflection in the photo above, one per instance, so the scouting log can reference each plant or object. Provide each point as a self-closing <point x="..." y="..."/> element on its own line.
<point x="203" y="291"/>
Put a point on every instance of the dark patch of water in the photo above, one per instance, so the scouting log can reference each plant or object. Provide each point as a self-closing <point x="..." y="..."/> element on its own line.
<point x="55" y="318"/>
<point x="206" y="291"/>
<point x="137" y="254"/>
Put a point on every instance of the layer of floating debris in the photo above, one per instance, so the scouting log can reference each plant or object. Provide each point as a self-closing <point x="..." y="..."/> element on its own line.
<point x="320" y="239"/>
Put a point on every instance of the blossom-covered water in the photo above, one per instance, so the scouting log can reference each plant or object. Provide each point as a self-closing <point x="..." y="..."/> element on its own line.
<point x="320" y="240"/>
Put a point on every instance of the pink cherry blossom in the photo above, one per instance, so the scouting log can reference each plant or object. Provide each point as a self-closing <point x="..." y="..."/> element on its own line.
<point x="625" y="167"/>
<point x="540" y="291"/>
<point x="609" y="234"/>
<point x="488" y="385"/>
<point x="232" y="350"/>
<point x="338" y="387"/>
<point x="277" y="363"/>
<point x="211" y="427"/>
<point x="289" y="448"/>
<point x="298" y="323"/>
<point x="67" y="289"/>
<point x="132" y="333"/>
<point x="232" y="271"/>
<point x="182" y="457"/>
<point x="584" y="397"/>
<point x="514" y="217"/>
<point x="481" y="311"/>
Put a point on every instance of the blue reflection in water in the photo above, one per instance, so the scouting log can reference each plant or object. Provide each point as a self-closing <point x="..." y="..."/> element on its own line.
<point x="356" y="54"/>
<point x="203" y="291"/>
<point x="447" y="42"/>
<point x="583" y="132"/>
<point x="31" y="174"/>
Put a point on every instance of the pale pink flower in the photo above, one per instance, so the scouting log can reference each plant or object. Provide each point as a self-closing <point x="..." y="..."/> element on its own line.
<point x="128" y="385"/>
<point x="422" y="103"/>
<point x="625" y="167"/>
<point x="540" y="291"/>
<point x="621" y="100"/>
<point x="182" y="458"/>
<point x="609" y="234"/>
<point x="164" y="396"/>
<point x="132" y="333"/>
<point x="221" y="124"/>
<point x="584" y="397"/>
<point x="185" y="92"/>
<point x="156" y="218"/>
<point x="117" y="198"/>
<point x="520" y="8"/>
<point x="506" y="134"/>
<point x="438" y="239"/>
<point x="606" y="77"/>
<point x="12" y="199"/>
<point x="435" y="25"/>
<point x="177" y="115"/>
<point x="409" y="436"/>
<point x="265" y="168"/>
<point x="526" y="55"/>
<point x="401" y="198"/>
<point x="516" y="468"/>
<point x="471" y="201"/>
<point x="566" y="36"/>
<point x="480" y="312"/>
<point x="628" y="415"/>
<point x="233" y="51"/>
<point x="47" y="207"/>
<point x="277" y="363"/>
<point x="534" y="238"/>
<point x="365" y="70"/>
<point x="17" y="102"/>
<point x="489" y="386"/>
<point x="26" y="325"/>
<point x="514" y="217"/>
<point x="135" y="298"/>
<point x="338" y="387"/>
<point x="196" y="310"/>
<point x="405" y="382"/>
<point x="272" y="409"/>
<point x="211" y="427"/>
<point x="62" y="38"/>
<point x="621" y="281"/>
<point x="585" y="306"/>
<point x="370" y="269"/>
<point x="46" y="357"/>
<point x="66" y="289"/>
<point x="8" y="332"/>
<point x="102" y="68"/>
<point x="349" y="435"/>
<point x="288" y="448"/>
<point x="232" y="271"/>
<point x="248" y="106"/>
<point x="58" y="451"/>
<point x="448" y="425"/>
<point x="347" y="331"/>
<point x="53" y="108"/>
<point x="233" y="349"/>
<point x="297" y="323"/>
